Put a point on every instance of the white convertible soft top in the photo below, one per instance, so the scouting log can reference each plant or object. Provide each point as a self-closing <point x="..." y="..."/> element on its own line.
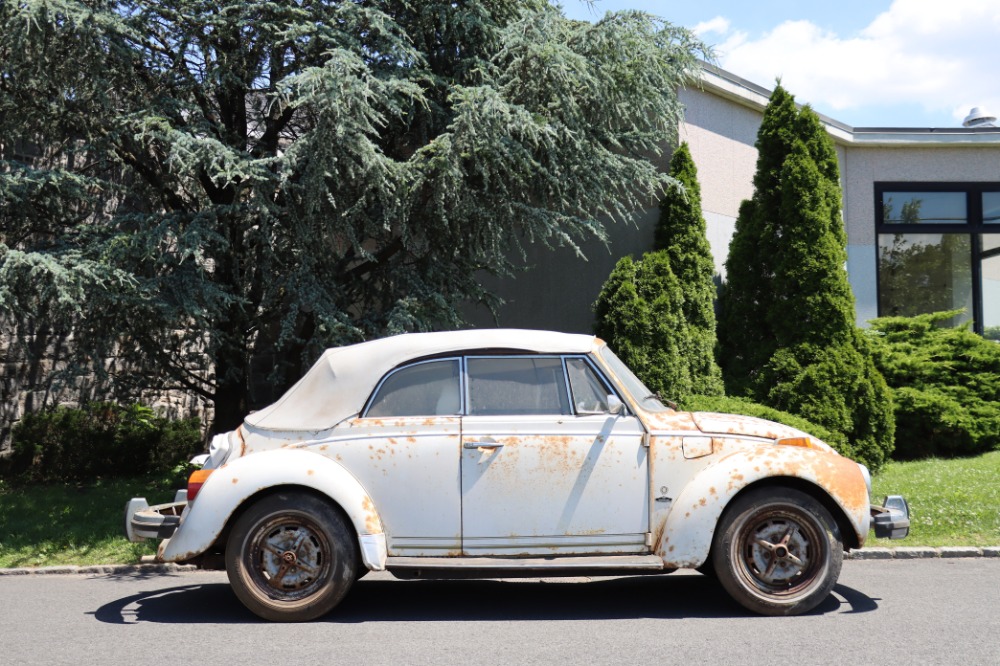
<point x="340" y="382"/>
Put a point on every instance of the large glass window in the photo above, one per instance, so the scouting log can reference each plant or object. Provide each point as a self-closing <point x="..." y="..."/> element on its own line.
<point x="924" y="208"/>
<point x="991" y="285"/>
<point x="921" y="273"/>
<point x="939" y="249"/>
<point x="991" y="207"/>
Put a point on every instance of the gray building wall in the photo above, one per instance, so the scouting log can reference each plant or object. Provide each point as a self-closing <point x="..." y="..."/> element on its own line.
<point x="555" y="289"/>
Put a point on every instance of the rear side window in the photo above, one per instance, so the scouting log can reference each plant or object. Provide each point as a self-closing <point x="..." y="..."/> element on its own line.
<point x="517" y="385"/>
<point x="424" y="389"/>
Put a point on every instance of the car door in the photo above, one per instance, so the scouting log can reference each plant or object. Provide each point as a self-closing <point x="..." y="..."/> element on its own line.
<point x="546" y="467"/>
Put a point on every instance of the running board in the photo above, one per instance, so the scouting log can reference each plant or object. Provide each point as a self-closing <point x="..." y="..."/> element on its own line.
<point x="486" y="567"/>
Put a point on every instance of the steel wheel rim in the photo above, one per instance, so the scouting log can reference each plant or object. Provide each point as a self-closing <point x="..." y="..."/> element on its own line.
<point x="780" y="553"/>
<point x="289" y="558"/>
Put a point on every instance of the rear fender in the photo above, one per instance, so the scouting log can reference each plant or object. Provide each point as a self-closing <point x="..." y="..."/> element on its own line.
<point x="685" y="537"/>
<point x="234" y="483"/>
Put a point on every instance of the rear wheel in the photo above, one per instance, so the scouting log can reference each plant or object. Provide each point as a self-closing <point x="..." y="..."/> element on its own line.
<point x="291" y="557"/>
<point x="777" y="551"/>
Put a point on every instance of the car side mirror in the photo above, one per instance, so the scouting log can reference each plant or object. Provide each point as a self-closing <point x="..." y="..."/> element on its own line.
<point x="615" y="405"/>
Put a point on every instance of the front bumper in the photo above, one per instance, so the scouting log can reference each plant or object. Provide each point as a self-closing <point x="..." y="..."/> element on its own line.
<point x="160" y="521"/>
<point x="891" y="519"/>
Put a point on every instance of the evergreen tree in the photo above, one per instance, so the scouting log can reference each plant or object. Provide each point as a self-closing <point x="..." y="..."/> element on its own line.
<point x="639" y="313"/>
<point x="788" y="325"/>
<point x="681" y="232"/>
<point x="745" y="340"/>
<point x="247" y="182"/>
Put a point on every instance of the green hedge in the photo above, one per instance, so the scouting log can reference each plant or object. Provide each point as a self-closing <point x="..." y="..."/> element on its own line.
<point x="945" y="382"/>
<point x="100" y="440"/>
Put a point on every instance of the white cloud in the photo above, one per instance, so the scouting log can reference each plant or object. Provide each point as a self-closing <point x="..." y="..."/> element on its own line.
<point x="719" y="25"/>
<point x="942" y="56"/>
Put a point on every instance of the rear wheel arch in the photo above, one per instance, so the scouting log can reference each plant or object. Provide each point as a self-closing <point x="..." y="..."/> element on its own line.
<point x="220" y="541"/>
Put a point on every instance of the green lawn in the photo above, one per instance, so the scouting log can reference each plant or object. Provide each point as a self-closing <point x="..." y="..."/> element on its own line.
<point x="44" y="526"/>
<point x="954" y="503"/>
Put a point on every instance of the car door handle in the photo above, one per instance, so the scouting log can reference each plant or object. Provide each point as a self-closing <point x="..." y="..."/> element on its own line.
<point x="487" y="443"/>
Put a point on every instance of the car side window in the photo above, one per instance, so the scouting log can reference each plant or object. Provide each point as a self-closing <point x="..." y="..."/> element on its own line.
<point x="424" y="389"/>
<point x="517" y="385"/>
<point x="590" y="395"/>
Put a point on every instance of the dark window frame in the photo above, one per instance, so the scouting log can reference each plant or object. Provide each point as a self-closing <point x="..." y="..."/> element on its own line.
<point x="463" y="378"/>
<point x="975" y="227"/>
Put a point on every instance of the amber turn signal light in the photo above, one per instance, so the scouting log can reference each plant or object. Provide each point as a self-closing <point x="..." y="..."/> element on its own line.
<point x="196" y="481"/>
<point x="804" y="442"/>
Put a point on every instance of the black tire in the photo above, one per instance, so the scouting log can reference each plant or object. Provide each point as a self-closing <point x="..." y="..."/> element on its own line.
<point x="777" y="551"/>
<point x="291" y="557"/>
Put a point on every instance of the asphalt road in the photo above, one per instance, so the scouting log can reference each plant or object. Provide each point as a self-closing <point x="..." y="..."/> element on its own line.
<point x="882" y="612"/>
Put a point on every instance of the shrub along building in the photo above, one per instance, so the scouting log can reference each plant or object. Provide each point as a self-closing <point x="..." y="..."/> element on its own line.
<point x="921" y="208"/>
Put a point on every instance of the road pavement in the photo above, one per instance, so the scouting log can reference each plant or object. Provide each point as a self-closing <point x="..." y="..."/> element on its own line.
<point x="928" y="611"/>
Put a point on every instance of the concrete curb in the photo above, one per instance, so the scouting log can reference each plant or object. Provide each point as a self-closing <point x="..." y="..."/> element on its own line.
<point x="900" y="553"/>
<point x="102" y="570"/>
<point x="921" y="552"/>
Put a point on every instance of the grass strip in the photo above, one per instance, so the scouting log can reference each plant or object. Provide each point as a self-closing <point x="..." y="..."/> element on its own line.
<point x="51" y="525"/>
<point x="953" y="502"/>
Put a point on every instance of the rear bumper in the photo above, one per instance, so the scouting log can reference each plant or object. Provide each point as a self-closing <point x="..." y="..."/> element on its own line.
<point x="160" y="521"/>
<point x="891" y="519"/>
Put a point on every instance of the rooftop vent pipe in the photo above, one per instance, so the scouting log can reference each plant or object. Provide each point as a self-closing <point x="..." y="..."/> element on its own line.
<point x="979" y="118"/>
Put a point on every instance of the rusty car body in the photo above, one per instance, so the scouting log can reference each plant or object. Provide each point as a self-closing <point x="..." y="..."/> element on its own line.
<point x="504" y="452"/>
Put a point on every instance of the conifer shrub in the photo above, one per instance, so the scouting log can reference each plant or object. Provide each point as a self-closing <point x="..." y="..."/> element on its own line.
<point x="946" y="385"/>
<point x="99" y="440"/>
<point x="638" y="313"/>
<point x="681" y="233"/>
<point x="786" y="329"/>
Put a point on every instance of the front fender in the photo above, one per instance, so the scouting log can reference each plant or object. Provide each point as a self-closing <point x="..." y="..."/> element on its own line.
<point x="686" y="535"/>
<point x="232" y="484"/>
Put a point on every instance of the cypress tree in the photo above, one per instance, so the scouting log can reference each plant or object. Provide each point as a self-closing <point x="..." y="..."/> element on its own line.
<point x="639" y="313"/>
<point x="788" y="323"/>
<point x="681" y="233"/>
<point x="745" y="340"/>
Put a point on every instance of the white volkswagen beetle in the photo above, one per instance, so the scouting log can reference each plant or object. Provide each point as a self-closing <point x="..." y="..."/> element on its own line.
<point x="498" y="453"/>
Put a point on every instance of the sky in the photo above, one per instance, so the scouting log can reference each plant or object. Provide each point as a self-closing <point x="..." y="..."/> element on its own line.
<point x="866" y="63"/>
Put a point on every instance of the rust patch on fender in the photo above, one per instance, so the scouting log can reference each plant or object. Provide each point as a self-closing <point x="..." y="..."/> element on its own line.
<point x="372" y="524"/>
<point x="243" y="441"/>
<point x="235" y="480"/>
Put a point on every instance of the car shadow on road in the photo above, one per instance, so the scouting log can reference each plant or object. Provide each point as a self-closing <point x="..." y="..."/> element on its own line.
<point x="655" y="597"/>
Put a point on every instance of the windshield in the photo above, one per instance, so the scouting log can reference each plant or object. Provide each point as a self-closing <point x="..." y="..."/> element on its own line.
<point x="650" y="401"/>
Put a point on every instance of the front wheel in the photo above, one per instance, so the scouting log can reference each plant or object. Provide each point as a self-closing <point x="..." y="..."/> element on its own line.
<point x="777" y="551"/>
<point x="291" y="557"/>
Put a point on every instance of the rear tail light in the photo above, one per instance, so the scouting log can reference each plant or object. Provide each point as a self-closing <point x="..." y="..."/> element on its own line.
<point x="196" y="481"/>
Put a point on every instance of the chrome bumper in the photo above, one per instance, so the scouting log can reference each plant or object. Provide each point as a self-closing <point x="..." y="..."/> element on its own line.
<point x="891" y="519"/>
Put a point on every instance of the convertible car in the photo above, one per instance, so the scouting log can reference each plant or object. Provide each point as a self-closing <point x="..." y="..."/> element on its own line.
<point x="499" y="453"/>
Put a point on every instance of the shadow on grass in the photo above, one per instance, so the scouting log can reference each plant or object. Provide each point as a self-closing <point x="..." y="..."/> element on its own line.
<point x="659" y="597"/>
